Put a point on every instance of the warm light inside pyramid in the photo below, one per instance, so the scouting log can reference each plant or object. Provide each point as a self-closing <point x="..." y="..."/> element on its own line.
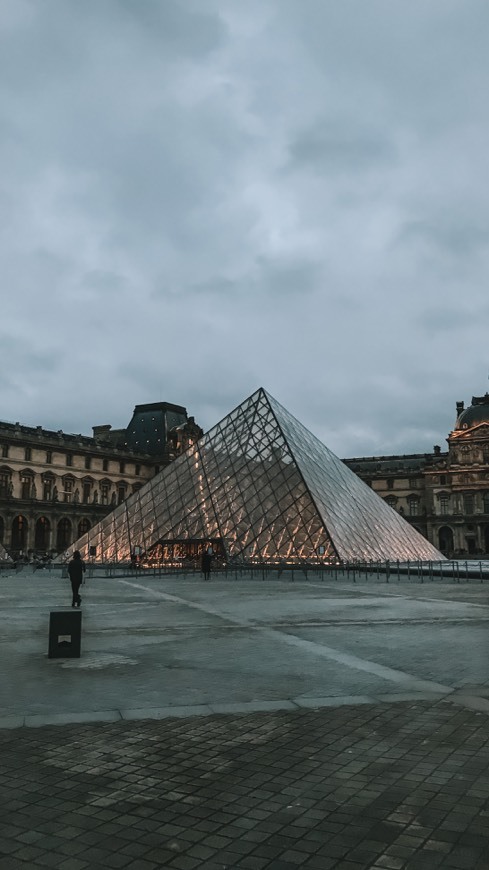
<point x="258" y="487"/>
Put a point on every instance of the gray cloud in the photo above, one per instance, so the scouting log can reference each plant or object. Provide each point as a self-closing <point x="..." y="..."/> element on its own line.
<point x="201" y="198"/>
<point x="452" y="236"/>
<point x="329" y="149"/>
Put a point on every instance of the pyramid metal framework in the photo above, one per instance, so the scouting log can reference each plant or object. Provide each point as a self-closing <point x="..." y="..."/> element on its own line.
<point x="266" y="490"/>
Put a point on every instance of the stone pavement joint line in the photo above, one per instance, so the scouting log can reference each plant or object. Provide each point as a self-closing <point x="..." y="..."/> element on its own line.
<point x="39" y="720"/>
<point x="393" y="786"/>
<point x="407" y="680"/>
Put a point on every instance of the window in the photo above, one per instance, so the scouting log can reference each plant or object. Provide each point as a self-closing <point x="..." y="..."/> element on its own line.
<point x="68" y="489"/>
<point x="19" y="533"/>
<point x="391" y="501"/>
<point x="105" y="465"/>
<point x="63" y="535"/>
<point x="104" y="492"/>
<point x="83" y="527"/>
<point x="87" y="491"/>
<point x="88" y="462"/>
<point x="137" y="469"/>
<point x="5" y="450"/>
<point x="444" y="505"/>
<point x="5" y="478"/>
<point x="122" y="466"/>
<point x="413" y="504"/>
<point x="443" y="479"/>
<point x="41" y="534"/>
<point x="121" y="493"/>
<point x="49" y="456"/>
<point x="468" y="503"/>
<point x="25" y="485"/>
<point x="27" y="454"/>
<point x="47" y="488"/>
<point x="390" y="483"/>
<point x="69" y="459"/>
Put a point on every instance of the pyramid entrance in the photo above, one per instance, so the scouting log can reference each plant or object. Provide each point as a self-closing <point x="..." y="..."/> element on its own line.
<point x="181" y="553"/>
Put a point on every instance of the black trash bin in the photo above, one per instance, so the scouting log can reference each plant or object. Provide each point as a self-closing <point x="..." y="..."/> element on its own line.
<point x="64" y="634"/>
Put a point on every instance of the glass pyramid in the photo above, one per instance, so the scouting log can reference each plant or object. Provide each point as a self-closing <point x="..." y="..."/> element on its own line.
<point x="258" y="487"/>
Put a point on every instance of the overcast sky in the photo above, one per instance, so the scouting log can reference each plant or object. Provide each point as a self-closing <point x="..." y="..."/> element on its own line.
<point x="201" y="197"/>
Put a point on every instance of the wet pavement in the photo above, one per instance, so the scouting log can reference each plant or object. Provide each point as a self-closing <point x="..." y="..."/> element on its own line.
<point x="249" y="724"/>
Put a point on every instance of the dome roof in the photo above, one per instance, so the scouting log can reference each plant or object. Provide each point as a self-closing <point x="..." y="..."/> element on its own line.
<point x="478" y="412"/>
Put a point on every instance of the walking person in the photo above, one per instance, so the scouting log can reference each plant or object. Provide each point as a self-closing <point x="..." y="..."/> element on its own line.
<point x="206" y="565"/>
<point x="76" y="570"/>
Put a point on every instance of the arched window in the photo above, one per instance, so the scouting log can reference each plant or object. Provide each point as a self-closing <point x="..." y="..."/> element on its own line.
<point x="63" y="535"/>
<point x="83" y="527"/>
<point x="19" y="533"/>
<point x="41" y="535"/>
<point x="445" y="540"/>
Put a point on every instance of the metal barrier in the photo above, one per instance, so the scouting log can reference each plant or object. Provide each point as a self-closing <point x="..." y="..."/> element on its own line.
<point x="356" y="572"/>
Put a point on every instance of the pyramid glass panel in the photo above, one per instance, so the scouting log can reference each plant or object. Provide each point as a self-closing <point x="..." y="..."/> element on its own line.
<point x="261" y="488"/>
<point x="360" y="523"/>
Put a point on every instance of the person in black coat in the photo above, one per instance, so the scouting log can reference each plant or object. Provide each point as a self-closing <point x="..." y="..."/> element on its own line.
<point x="206" y="565"/>
<point x="76" y="569"/>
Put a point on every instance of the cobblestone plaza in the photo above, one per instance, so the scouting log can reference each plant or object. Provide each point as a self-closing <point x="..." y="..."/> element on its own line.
<point x="248" y="724"/>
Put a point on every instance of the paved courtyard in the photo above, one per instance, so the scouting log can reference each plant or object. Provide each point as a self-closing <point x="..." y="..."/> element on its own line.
<point x="246" y="724"/>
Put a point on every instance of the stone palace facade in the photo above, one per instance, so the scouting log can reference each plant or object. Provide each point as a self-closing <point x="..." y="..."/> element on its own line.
<point x="54" y="487"/>
<point x="444" y="494"/>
